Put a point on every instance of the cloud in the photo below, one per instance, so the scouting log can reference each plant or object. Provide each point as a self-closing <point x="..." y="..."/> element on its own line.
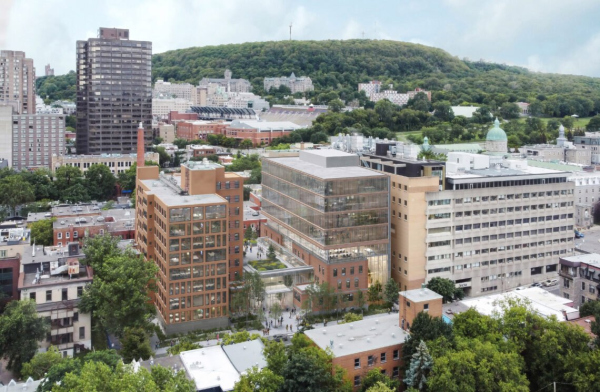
<point x="582" y="60"/>
<point x="352" y="30"/>
<point x="5" y="6"/>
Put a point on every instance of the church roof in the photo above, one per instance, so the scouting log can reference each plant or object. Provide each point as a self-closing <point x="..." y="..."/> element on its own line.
<point x="496" y="133"/>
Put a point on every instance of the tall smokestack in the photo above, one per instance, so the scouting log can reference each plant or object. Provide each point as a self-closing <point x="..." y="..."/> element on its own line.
<point x="140" y="146"/>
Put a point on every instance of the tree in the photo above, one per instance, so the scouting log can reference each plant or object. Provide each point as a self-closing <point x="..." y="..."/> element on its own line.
<point x="41" y="363"/>
<point x="374" y="292"/>
<point x="264" y="380"/>
<point x="391" y="291"/>
<point x="360" y="299"/>
<point x="99" y="248"/>
<point x="100" y="181"/>
<point x="589" y="308"/>
<point x="594" y="124"/>
<point x="478" y="366"/>
<point x="118" y="296"/>
<point x="288" y="280"/>
<point x="420" y="365"/>
<point x="336" y="105"/>
<point x="20" y="330"/>
<point x="15" y="191"/>
<point x="239" y="337"/>
<point x="509" y="111"/>
<point x="319" y="137"/>
<point x="582" y="372"/>
<point x="58" y="371"/>
<point x="271" y="255"/>
<point x="135" y="344"/>
<point x="445" y="288"/>
<point x="248" y="233"/>
<point x="257" y="287"/>
<point x="108" y="357"/>
<point x="97" y="376"/>
<point x="41" y="180"/>
<point x="42" y="232"/>
<point x="276" y="310"/>
<point x="163" y="156"/>
<point x="380" y="387"/>
<point x="183" y="345"/>
<point x="426" y="328"/>
<point x="374" y="376"/>
<point x="276" y="356"/>
<point x="75" y="194"/>
<point x="310" y="370"/>
<point x="246" y="144"/>
<point x="66" y="177"/>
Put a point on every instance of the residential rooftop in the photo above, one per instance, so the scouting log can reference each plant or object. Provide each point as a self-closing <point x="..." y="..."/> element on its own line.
<point x="589" y="258"/>
<point x="171" y="197"/>
<point x="541" y="301"/>
<point x="59" y="275"/>
<point x="245" y="355"/>
<point x="115" y="219"/>
<point x="359" y="336"/>
<point x="210" y="367"/>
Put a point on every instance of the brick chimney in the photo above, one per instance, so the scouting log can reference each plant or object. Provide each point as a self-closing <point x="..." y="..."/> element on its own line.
<point x="140" y="146"/>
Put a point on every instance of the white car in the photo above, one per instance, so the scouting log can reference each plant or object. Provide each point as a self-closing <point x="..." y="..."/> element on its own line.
<point x="550" y="282"/>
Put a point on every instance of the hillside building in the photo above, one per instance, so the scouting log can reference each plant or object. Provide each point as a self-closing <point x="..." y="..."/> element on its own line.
<point x="563" y="151"/>
<point x="295" y="84"/>
<point x="167" y="90"/>
<point x="227" y="83"/>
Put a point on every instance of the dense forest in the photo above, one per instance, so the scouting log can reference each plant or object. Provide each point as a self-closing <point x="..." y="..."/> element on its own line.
<point x="336" y="67"/>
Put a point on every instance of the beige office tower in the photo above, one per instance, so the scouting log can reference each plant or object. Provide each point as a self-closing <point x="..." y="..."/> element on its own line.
<point x="487" y="223"/>
<point x="17" y="81"/>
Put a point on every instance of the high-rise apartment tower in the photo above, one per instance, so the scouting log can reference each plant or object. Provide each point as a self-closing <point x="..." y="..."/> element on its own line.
<point x="114" y="92"/>
<point x="17" y="81"/>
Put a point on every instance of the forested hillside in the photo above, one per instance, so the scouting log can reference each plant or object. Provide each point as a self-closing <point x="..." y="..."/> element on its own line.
<point x="336" y="67"/>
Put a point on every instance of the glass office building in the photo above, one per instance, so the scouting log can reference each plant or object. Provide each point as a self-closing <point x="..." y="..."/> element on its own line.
<point x="325" y="203"/>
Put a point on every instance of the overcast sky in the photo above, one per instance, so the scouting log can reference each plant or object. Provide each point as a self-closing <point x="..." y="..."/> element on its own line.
<point x="543" y="35"/>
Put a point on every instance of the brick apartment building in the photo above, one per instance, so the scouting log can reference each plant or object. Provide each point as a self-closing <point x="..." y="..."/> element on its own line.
<point x="190" y="224"/>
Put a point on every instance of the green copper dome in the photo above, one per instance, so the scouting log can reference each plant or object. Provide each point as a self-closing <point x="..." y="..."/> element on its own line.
<point x="496" y="134"/>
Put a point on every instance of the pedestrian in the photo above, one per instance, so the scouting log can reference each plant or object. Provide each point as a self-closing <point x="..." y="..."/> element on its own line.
<point x="291" y="327"/>
<point x="286" y="327"/>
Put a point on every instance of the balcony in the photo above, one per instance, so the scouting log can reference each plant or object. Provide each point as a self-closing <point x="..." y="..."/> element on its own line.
<point x="61" y="330"/>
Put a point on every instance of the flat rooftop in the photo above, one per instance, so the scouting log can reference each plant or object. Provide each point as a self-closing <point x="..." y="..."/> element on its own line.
<point x="325" y="173"/>
<point x="420" y="295"/>
<point x="61" y="278"/>
<point x="210" y="368"/>
<point x="359" y="336"/>
<point x="502" y="172"/>
<point x="115" y="217"/>
<point x="590" y="258"/>
<point x="541" y="301"/>
<point x="171" y="198"/>
<point x="245" y="355"/>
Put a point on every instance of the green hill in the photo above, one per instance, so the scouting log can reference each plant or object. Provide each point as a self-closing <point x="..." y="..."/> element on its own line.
<point x="336" y="67"/>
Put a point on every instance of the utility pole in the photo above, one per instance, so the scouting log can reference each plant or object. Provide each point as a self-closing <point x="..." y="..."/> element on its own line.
<point x="290" y="31"/>
<point x="554" y="386"/>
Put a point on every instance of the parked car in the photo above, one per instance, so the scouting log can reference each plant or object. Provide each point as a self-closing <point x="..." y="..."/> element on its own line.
<point x="279" y="338"/>
<point x="550" y="282"/>
<point x="579" y="234"/>
<point x="536" y="284"/>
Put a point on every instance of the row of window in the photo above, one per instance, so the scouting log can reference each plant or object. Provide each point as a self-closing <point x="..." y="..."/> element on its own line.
<point x="516" y="234"/>
<point x="64" y="294"/>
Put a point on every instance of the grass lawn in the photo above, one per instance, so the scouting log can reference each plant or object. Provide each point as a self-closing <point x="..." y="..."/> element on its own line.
<point x="266" y="265"/>
<point x="401" y="136"/>
<point x="580" y="122"/>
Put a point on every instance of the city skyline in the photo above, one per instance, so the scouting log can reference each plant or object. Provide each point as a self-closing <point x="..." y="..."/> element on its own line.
<point x="552" y="38"/>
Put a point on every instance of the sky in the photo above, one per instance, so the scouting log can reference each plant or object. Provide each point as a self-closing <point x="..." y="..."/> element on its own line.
<point x="543" y="35"/>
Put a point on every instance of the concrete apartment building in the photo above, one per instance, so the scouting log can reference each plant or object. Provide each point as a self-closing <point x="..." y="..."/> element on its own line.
<point x="295" y="84"/>
<point x="191" y="226"/>
<point x="161" y="107"/>
<point x="55" y="280"/>
<point x="118" y="222"/>
<point x="166" y="132"/>
<point x="167" y="90"/>
<point x="17" y="81"/>
<point x="488" y="224"/>
<point x="580" y="278"/>
<point x="227" y="83"/>
<point x="117" y="163"/>
<point x="330" y="214"/>
<point x="29" y="141"/>
<point x="587" y="196"/>
<point x="114" y="92"/>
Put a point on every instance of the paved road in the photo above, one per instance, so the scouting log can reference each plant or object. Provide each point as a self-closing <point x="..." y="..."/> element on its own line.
<point x="591" y="241"/>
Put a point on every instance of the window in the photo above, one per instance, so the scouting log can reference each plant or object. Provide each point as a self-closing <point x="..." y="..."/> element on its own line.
<point x="426" y="307"/>
<point x="396" y="355"/>
<point x="356" y="363"/>
<point x="396" y="371"/>
<point x="335" y="272"/>
<point x="65" y="294"/>
<point x="383" y="358"/>
<point x="59" y="235"/>
<point x="356" y="381"/>
<point x="371" y="360"/>
<point x="79" y="291"/>
<point x="408" y="304"/>
<point x="344" y="271"/>
<point x="81" y="332"/>
<point x="48" y="295"/>
<point x="355" y="282"/>
<point x="360" y="269"/>
<point x="32" y="296"/>
<point x="583" y="285"/>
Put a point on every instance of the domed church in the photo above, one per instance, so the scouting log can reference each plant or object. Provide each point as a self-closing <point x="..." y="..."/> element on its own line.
<point x="496" y="140"/>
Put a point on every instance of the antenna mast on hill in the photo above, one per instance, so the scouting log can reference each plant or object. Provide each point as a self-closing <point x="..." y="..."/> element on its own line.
<point x="363" y="34"/>
<point x="290" y="31"/>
